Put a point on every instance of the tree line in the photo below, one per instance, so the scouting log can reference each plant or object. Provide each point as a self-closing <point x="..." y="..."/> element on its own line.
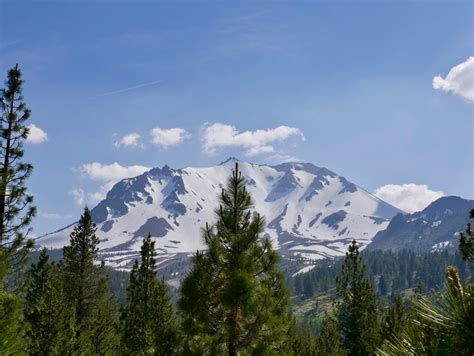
<point x="234" y="300"/>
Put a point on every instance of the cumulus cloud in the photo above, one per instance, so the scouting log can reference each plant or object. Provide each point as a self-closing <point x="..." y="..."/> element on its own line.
<point x="168" y="137"/>
<point x="408" y="197"/>
<point x="129" y="140"/>
<point x="110" y="172"/>
<point x="108" y="175"/>
<point x="36" y="135"/>
<point x="218" y="135"/>
<point x="460" y="80"/>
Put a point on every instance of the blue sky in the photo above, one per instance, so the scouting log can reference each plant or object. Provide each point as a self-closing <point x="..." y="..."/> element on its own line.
<point x="348" y="86"/>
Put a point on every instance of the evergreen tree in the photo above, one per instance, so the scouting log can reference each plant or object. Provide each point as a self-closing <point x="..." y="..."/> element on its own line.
<point x="308" y="286"/>
<point x="441" y="324"/>
<point x="328" y="342"/>
<point x="16" y="210"/>
<point x="50" y="322"/>
<point x="395" y="319"/>
<point x="10" y="316"/>
<point x="149" y="326"/>
<point x="357" y="306"/>
<point x="466" y="241"/>
<point x="383" y="288"/>
<point x="85" y="283"/>
<point x="234" y="299"/>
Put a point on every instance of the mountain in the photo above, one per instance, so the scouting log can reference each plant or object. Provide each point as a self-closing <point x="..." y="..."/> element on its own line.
<point x="311" y="212"/>
<point x="434" y="228"/>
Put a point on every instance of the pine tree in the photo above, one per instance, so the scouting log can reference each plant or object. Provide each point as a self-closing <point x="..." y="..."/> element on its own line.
<point x="308" y="285"/>
<point x="234" y="300"/>
<point x="11" y="316"/>
<point x="149" y="326"/>
<point x="16" y="210"/>
<point x="395" y="319"/>
<point x="328" y="342"/>
<point x="383" y="288"/>
<point x="50" y="321"/>
<point x="84" y="282"/>
<point x="466" y="241"/>
<point x="357" y="306"/>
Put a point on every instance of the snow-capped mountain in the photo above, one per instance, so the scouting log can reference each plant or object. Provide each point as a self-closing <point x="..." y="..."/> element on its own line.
<point x="311" y="212"/>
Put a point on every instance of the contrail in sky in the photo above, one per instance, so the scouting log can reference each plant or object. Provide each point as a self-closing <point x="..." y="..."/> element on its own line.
<point x="128" y="89"/>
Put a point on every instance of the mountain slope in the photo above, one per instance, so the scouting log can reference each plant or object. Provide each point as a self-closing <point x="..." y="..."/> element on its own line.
<point x="311" y="212"/>
<point x="434" y="228"/>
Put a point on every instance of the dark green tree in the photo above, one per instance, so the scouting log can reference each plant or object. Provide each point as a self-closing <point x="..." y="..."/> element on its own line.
<point x="383" y="288"/>
<point x="149" y="326"/>
<point x="16" y="210"/>
<point x="85" y="283"/>
<point x="50" y="322"/>
<point x="395" y="319"/>
<point x="357" y="306"/>
<point x="466" y="241"/>
<point x="234" y="300"/>
<point x="308" y="286"/>
<point x="328" y="342"/>
<point x="11" y="316"/>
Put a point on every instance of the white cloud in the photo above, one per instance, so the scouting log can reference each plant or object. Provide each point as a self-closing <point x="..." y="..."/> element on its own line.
<point x="218" y="135"/>
<point x="36" y="135"/>
<point x="108" y="175"/>
<point x="129" y="140"/>
<point x="460" y="80"/>
<point x="110" y="172"/>
<point x="408" y="197"/>
<point x="168" y="137"/>
<point x="78" y="195"/>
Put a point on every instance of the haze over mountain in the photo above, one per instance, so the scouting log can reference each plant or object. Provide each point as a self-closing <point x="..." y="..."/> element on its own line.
<point x="311" y="212"/>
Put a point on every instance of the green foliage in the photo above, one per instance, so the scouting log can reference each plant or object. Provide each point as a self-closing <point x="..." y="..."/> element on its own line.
<point x="11" y="316"/>
<point x="85" y="289"/>
<point x="149" y="326"/>
<point x="393" y="272"/>
<point x="234" y="300"/>
<point x="466" y="241"/>
<point x="16" y="210"/>
<point x="441" y="324"/>
<point x="328" y="342"/>
<point x="356" y="306"/>
<point x="395" y="319"/>
<point x="50" y="321"/>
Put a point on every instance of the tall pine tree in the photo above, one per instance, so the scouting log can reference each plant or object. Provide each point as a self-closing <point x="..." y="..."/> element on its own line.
<point x="16" y="210"/>
<point x="50" y="321"/>
<point x="149" y="326"/>
<point x="85" y="284"/>
<point x="357" y="306"/>
<point x="234" y="299"/>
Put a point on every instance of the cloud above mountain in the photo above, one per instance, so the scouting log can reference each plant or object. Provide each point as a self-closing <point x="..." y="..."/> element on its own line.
<point x="408" y="197"/>
<point x="460" y="80"/>
<point x="217" y="135"/>
<point x="36" y="135"/>
<point x="168" y="137"/>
